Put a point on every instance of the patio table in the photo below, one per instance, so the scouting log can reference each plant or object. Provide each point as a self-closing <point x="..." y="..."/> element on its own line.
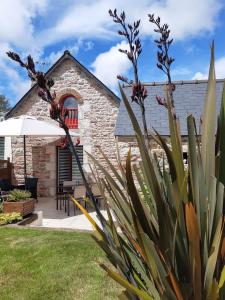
<point x="68" y="188"/>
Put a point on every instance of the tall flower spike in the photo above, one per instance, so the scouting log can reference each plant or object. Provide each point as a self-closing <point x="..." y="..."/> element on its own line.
<point x="30" y="64"/>
<point x="164" y="61"/>
<point x="131" y="33"/>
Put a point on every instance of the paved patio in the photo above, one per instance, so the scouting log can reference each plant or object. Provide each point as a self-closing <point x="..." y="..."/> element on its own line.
<point x="53" y="218"/>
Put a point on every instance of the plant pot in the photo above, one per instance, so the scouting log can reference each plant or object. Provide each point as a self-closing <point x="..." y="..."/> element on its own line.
<point x="24" y="207"/>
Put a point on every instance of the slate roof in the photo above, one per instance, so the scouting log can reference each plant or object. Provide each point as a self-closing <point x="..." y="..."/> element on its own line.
<point x="66" y="55"/>
<point x="188" y="98"/>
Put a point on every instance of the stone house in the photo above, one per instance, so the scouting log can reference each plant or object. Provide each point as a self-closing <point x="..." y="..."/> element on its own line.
<point x="96" y="113"/>
<point x="92" y="112"/>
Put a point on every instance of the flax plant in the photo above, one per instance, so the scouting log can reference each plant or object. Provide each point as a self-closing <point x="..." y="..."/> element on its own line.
<point x="167" y="223"/>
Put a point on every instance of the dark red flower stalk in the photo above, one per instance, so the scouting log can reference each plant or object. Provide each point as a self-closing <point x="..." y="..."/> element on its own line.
<point x="163" y="44"/>
<point x="161" y="101"/>
<point x="131" y="33"/>
<point x="77" y="142"/>
<point x="55" y="110"/>
<point x="138" y="92"/>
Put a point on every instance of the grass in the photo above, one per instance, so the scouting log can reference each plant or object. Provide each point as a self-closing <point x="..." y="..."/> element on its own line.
<point x="37" y="264"/>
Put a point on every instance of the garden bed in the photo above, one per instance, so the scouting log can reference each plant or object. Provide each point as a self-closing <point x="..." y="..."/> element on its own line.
<point x="24" y="208"/>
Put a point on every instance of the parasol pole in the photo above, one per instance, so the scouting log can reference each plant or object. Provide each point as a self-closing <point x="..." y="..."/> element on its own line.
<point x="24" y="158"/>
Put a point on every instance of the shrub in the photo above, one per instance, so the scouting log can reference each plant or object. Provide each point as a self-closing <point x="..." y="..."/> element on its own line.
<point x="170" y="241"/>
<point x="9" y="218"/>
<point x="18" y="195"/>
<point x="172" y="244"/>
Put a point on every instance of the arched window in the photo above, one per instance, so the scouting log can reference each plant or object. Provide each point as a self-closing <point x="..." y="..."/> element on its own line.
<point x="70" y="111"/>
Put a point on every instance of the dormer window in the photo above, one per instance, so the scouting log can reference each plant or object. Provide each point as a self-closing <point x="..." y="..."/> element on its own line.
<point x="70" y="110"/>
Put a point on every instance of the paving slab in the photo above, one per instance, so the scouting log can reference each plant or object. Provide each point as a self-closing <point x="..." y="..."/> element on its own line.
<point x="52" y="218"/>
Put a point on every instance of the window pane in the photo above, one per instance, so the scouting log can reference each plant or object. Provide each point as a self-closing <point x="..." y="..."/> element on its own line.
<point x="2" y="147"/>
<point x="67" y="165"/>
<point x="75" y="170"/>
<point x="64" y="165"/>
<point x="70" y="102"/>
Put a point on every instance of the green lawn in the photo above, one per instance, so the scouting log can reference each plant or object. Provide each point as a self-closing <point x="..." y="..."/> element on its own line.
<point x="43" y="265"/>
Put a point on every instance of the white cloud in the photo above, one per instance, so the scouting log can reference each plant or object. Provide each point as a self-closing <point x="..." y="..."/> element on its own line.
<point x="200" y="76"/>
<point x="54" y="56"/>
<point x="17" y="32"/>
<point x="16" y="83"/>
<point x="219" y="69"/>
<point x="89" y="18"/>
<point x="108" y="65"/>
<point x="16" y="25"/>
<point x="83" y="19"/>
<point x="186" y="17"/>
<point x="29" y="26"/>
<point x="89" y="45"/>
<point x="19" y="87"/>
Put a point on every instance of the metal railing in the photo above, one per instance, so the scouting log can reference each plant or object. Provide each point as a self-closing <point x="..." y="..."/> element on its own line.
<point x="71" y="118"/>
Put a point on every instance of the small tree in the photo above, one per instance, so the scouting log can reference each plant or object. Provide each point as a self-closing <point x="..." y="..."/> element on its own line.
<point x="4" y="104"/>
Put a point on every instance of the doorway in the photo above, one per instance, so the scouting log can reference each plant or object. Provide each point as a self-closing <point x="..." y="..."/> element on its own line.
<point x="67" y="168"/>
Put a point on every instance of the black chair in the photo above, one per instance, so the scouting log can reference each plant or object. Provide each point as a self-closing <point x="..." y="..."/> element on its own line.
<point x="5" y="185"/>
<point x="79" y="194"/>
<point x="60" y="197"/>
<point x="68" y="188"/>
<point x="31" y="186"/>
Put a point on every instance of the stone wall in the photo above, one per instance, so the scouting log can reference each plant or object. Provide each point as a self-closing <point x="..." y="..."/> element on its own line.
<point x="97" y="113"/>
<point x="126" y="143"/>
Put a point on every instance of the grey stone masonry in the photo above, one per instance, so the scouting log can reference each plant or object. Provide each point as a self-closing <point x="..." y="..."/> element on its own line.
<point x="97" y="113"/>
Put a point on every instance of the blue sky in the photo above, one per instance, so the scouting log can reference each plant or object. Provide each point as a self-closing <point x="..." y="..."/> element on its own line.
<point x="45" y="28"/>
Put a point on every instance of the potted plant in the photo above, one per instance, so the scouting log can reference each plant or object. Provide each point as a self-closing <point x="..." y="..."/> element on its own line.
<point x="19" y="201"/>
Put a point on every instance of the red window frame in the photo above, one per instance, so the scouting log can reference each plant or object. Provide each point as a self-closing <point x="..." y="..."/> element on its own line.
<point x="71" y="114"/>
